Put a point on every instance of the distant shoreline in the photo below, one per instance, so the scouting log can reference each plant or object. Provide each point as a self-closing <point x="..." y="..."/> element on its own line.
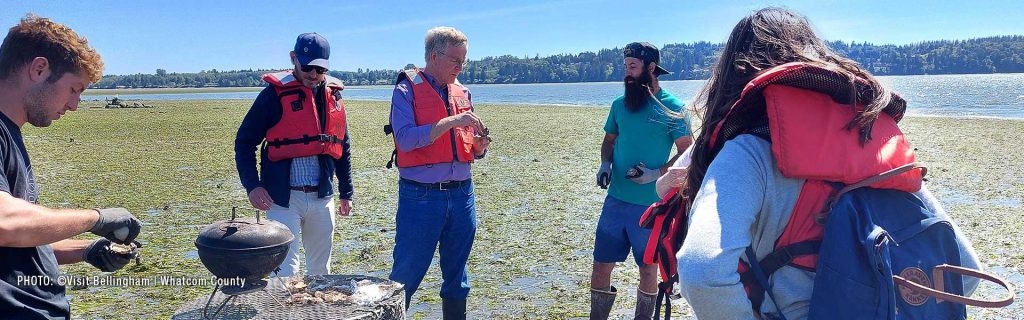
<point x="93" y="105"/>
<point x="109" y="91"/>
<point x="972" y="96"/>
<point x="105" y="92"/>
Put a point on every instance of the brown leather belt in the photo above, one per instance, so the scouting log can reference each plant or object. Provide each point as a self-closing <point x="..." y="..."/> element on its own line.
<point x="306" y="189"/>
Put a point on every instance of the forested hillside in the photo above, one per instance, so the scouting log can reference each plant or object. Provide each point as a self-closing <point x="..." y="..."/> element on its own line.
<point x="1004" y="54"/>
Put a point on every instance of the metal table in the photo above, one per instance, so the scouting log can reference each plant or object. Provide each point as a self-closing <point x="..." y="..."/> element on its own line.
<point x="267" y="304"/>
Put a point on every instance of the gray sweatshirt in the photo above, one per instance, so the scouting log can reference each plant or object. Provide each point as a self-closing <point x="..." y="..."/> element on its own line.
<point x="745" y="201"/>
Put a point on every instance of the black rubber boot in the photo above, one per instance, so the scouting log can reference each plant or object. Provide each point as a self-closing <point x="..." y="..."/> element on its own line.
<point x="601" y="302"/>
<point x="454" y="309"/>
<point x="644" y="305"/>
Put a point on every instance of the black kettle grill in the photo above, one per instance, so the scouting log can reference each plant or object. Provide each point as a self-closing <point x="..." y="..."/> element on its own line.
<point x="242" y="248"/>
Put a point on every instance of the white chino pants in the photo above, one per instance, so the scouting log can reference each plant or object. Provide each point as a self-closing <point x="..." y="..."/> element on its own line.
<point x="313" y="219"/>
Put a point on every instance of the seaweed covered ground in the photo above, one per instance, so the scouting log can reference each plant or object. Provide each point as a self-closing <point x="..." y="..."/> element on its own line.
<point x="173" y="167"/>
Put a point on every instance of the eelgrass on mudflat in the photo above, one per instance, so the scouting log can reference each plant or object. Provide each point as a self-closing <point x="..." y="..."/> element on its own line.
<point x="173" y="167"/>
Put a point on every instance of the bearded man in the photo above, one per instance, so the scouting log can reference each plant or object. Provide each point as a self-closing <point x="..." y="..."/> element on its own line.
<point x="642" y="126"/>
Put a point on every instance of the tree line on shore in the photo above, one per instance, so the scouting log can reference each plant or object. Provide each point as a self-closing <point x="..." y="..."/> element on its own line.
<point x="687" y="61"/>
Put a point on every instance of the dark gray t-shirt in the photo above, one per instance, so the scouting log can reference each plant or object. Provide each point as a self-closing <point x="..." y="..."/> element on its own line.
<point x="25" y="292"/>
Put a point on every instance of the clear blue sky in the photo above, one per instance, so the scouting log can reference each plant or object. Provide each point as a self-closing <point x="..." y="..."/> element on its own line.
<point x="189" y="36"/>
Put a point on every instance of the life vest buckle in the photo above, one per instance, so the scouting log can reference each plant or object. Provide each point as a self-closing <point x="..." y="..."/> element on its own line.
<point x="327" y="138"/>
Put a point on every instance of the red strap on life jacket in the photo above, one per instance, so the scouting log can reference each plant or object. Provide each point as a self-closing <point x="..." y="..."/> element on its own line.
<point x="667" y="220"/>
<point x="804" y="223"/>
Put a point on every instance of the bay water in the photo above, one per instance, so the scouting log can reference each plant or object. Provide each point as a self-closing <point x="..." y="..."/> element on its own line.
<point x="984" y="95"/>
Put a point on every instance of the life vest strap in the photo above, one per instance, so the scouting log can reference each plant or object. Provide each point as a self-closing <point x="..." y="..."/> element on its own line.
<point x="305" y="140"/>
<point x="665" y="295"/>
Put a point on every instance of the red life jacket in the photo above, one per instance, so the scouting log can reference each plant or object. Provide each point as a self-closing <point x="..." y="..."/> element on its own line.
<point x="429" y="108"/>
<point x="807" y="109"/>
<point x="302" y="131"/>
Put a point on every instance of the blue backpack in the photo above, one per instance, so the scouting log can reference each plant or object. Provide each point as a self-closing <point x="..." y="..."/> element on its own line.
<point x="884" y="255"/>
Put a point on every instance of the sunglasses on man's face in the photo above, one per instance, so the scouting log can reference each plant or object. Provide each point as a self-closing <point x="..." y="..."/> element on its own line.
<point x="319" y="70"/>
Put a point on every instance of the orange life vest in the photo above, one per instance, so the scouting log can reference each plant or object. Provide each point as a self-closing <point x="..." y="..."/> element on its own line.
<point x="302" y="131"/>
<point x="429" y="108"/>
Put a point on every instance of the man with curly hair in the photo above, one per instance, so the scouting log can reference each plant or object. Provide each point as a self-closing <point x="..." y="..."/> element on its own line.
<point x="44" y="67"/>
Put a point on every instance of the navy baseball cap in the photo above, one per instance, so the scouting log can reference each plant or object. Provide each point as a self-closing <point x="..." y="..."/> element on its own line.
<point x="312" y="49"/>
<point x="647" y="53"/>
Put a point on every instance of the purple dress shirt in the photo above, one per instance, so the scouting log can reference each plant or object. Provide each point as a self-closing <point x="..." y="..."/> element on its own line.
<point x="409" y="136"/>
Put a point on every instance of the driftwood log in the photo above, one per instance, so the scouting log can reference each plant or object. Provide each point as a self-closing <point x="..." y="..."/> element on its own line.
<point x="273" y="303"/>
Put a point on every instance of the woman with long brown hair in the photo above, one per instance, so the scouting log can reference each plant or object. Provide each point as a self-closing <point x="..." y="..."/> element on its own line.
<point x="741" y="199"/>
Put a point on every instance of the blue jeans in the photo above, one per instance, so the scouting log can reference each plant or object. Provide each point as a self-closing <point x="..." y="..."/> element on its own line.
<point x="428" y="216"/>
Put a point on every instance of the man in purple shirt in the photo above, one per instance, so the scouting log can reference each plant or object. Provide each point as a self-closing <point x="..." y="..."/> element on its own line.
<point x="437" y="136"/>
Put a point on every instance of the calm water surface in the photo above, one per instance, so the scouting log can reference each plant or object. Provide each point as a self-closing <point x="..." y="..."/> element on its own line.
<point x="989" y="95"/>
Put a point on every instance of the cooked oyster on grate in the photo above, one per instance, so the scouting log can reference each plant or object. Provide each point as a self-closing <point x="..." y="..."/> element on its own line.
<point x="318" y="289"/>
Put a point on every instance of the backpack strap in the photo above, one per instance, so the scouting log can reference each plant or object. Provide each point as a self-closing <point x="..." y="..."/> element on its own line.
<point x="762" y="279"/>
<point x="388" y="130"/>
<point x="771" y="263"/>
<point x="783" y="256"/>
<point x="873" y="179"/>
<point x="939" y="294"/>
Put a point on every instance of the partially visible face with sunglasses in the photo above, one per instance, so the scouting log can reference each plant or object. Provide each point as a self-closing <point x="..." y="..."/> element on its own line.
<point x="311" y="76"/>
<point x="319" y="70"/>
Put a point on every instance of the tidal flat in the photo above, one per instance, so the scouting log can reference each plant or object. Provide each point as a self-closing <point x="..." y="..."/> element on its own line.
<point x="537" y="205"/>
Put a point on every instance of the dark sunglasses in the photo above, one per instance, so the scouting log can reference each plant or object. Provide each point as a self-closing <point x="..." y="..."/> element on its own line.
<point x="319" y="70"/>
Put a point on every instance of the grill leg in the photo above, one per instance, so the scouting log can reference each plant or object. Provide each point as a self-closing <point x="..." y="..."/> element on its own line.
<point x="283" y="286"/>
<point x="220" y="307"/>
<point x="271" y="294"/>
<point x="208" y="301"/>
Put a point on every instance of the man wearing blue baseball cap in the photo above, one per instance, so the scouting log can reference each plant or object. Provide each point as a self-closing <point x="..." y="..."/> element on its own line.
<point x="300" y="120"/>
<point x="642" y="126"/>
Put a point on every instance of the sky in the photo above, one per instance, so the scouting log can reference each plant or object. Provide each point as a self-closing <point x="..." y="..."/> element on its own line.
<point x="190" y="36"/>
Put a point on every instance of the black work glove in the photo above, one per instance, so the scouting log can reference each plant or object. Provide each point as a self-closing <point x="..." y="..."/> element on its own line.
<point x="100" y="255"/>
<point x="117" y="224"/>
<point x="604" y="175"/>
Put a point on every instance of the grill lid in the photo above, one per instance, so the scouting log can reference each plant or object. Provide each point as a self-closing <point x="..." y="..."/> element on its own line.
<point x="244" y="233"/>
